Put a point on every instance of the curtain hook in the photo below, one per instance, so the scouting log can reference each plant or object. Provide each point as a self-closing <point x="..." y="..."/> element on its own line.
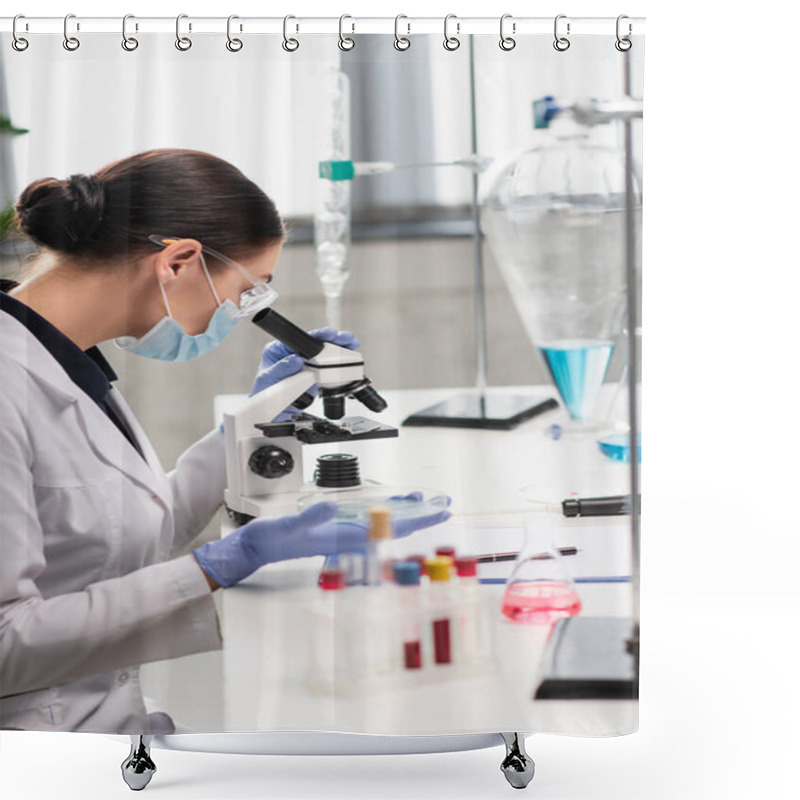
<point x="234" y="45"/>
<point x="289" y="44"/>
<point x="182" y="42"/>
<point x="18" y="42"/>
<point x="70" y="42"/>
<point x="345" y="42"/>
<point x="129" y="43"/>
<point x="451" y="42"/>
<point x="507" y="42"/>
<point x="561" y="43"/>
<point x="623" y="43"/>
<point x="400" y="42"/>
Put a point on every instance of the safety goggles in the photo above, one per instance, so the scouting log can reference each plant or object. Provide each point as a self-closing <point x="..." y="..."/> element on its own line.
<point x="251" y="301"/>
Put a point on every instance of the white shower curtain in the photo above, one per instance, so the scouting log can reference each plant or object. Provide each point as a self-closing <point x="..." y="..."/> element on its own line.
<point x="278" y="650"/>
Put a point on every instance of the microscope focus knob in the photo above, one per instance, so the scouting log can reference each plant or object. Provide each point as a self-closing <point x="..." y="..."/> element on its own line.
<point x="270" y="461"/>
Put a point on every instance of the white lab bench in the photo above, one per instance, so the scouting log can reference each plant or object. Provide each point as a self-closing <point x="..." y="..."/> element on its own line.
<point x="259" y="681"/>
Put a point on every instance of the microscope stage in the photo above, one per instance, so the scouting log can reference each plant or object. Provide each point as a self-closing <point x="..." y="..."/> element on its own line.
<point x="309" y="429"/>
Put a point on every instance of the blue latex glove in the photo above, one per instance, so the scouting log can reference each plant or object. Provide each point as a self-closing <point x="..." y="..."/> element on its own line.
<point x="279" y="361"/>
<point x="310" y="533"/>
<point x="276" y="351"/>
<point x="405" y="527"/>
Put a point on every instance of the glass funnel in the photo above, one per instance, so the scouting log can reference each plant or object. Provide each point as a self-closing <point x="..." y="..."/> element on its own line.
<point x="540" y="590"/>
<point x="554" y="218"/>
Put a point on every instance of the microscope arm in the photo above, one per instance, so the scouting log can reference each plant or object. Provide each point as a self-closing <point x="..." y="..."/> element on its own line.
<point x="240" y="427"/>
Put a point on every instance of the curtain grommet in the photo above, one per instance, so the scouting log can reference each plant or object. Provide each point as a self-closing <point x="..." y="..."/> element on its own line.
<point x="129" y="43"/>
<point x="401" y="43"/>
<point x="623" y="43"/>
<point x="233" y="44"/>
<point x="289" y="44"/>
<point x="183" y="43"/>
<point x="70" y="43"/>
<point x="345" y="42"/>
<point x="451" y="43"/>
<point x="19" y="43"/>
<point x="507" y="43"/>
<point x="561" y="43"/>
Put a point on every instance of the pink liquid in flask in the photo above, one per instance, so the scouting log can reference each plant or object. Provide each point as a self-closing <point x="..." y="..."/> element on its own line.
<point x="540" y="602"/>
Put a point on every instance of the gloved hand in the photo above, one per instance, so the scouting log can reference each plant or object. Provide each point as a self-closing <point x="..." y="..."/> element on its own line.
<point x="276" y="351"/>
<point x="310" y="533"/>
<point x="405" y="527"/>
<point x="279" y="361"/>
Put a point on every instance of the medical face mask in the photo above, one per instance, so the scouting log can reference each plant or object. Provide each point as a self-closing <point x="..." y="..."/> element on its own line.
<point x="167" y="341"/>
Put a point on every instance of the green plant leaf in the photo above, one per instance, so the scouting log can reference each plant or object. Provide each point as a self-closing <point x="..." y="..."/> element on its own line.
<point x="7" y="226"/>
<point x="6" y="126"/>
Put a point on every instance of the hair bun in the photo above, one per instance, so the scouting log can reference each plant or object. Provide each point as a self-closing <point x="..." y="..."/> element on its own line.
<point x="62" y="215"/>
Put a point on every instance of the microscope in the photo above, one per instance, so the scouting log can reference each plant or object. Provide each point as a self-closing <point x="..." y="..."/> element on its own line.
<point x="263" y="457"/>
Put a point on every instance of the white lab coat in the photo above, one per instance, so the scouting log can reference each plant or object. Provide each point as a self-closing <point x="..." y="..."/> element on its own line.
<point x="89" y="585"/>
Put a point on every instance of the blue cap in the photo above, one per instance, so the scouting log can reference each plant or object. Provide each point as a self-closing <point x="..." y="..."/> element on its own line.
<point x="407" y="573"/>
<point x="544" y="111"/>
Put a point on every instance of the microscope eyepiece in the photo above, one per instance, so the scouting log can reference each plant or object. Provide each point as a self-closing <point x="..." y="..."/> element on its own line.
<point x="287" y="332"/>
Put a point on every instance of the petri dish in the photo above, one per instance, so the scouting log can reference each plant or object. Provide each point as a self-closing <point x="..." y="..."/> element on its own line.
<point x="354" y="504"/>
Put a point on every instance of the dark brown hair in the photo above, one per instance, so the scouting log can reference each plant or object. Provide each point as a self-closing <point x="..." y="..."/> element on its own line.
<point x="106" y="217"/>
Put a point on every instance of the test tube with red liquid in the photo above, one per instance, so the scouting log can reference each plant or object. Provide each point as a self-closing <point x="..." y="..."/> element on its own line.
<point x="407" y="579"/>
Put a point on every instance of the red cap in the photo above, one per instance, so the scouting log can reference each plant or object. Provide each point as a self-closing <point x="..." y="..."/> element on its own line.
<point x="330" y="579"/>
<point x="450" y="552"/>
<point x="467" y="567"/>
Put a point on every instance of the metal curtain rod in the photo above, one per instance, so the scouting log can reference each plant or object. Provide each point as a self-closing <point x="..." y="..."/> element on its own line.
<point x="513" y="26"/>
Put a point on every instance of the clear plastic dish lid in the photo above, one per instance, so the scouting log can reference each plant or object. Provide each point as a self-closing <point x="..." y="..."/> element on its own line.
<point x="354" y="504"/>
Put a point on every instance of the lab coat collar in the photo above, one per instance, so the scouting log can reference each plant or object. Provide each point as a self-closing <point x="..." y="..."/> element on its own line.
<point x="88" y="369"/>
<point x="104" y="437"/>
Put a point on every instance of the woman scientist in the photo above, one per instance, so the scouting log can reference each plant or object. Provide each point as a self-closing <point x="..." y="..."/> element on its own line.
<point x="90" y="585"/>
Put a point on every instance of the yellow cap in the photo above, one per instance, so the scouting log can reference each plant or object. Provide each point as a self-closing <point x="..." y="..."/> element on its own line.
<point x="438" y="568"/>
<point x="380" y="523"/>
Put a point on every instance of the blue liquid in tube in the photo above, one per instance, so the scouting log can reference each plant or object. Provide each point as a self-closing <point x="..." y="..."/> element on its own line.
<point x="617" y="447"/>
<point x="578" y="367"/>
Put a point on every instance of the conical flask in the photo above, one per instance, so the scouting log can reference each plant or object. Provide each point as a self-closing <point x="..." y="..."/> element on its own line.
<point x="554" y="217"/>
<point x="540" y="590"/>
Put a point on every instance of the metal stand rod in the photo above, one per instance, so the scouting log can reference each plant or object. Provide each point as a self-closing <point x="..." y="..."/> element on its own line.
<point x="138" y="768"/>
<point x="517" y="766"/>
<point x="481" y="357"/>
<point x="633" y="359"/>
